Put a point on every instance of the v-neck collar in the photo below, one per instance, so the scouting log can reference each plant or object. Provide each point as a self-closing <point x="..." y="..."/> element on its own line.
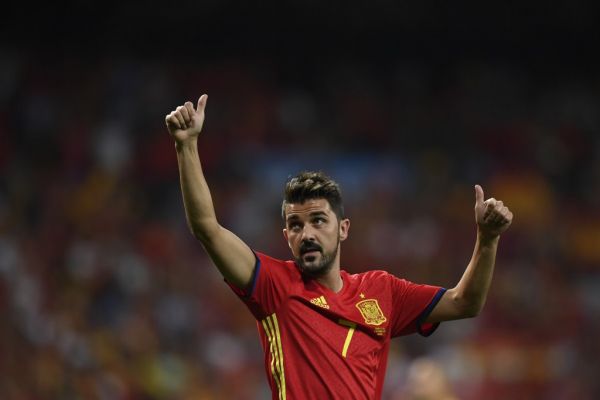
<point x="328" y="291"/>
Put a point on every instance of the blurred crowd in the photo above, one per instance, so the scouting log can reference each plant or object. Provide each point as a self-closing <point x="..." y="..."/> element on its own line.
<point x="104" y="294"/>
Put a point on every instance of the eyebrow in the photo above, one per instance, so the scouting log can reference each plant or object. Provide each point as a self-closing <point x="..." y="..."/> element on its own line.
<point x="312" y="214"/>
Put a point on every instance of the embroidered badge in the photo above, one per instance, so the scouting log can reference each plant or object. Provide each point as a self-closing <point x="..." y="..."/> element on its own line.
<point x="370" y="311"/>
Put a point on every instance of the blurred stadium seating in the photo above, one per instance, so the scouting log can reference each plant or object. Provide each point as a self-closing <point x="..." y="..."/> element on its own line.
<point x="105" y="295"/>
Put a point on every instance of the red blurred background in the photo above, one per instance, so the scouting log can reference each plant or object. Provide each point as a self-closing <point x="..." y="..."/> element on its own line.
<point x="105" y="295"/>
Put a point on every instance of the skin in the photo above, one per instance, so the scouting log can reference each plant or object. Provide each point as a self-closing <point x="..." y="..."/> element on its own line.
<point x="231" y="255"/>
<point x="467" y="298"/>
<point x="313" y="224"/>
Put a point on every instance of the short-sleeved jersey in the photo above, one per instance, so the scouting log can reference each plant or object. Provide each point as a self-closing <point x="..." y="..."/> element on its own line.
<point x="320" y="344"/>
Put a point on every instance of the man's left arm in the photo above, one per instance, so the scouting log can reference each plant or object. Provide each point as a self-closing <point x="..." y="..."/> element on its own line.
<point x="467" y="298"/>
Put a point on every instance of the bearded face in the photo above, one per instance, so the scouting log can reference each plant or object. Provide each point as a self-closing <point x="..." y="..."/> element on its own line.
<point x="314" y="233"/>
<point x="313" y="260"/>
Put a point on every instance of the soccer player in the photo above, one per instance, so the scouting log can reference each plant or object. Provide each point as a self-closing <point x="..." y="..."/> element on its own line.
<point x="325" y="332"/>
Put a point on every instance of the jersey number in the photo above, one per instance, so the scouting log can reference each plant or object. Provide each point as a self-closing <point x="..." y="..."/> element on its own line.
<point x="351" y="328"/>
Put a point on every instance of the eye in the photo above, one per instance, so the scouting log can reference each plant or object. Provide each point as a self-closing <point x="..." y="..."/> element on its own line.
<point x="319" y="221"/>
<point x="294" y="226"/>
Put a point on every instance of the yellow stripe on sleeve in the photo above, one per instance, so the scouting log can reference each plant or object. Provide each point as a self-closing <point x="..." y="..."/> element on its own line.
<point x="270" y="336"/>
<point x="280" y="352"/>
<point x="271" y="328"/>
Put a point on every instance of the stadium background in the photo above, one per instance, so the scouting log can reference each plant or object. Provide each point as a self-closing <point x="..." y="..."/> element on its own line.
<point x="104" y="294"/>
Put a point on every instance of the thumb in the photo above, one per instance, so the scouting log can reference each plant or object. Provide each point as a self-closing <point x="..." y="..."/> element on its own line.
<point x="478" y="195"/>
<point x="201" y="103"/>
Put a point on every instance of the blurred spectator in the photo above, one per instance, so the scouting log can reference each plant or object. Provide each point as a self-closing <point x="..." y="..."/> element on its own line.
<point x="104" y="294"/>
<point x="427" y="381"/>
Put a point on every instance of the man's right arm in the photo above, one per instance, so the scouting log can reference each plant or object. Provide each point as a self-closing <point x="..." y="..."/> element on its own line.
<point x="230" y="254"/>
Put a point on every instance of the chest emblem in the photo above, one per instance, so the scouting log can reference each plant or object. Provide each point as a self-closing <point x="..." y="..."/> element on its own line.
<point x="371" y="312"/>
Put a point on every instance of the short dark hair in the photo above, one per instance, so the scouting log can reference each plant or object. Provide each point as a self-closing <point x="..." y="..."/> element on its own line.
<point x="310" y="185"/>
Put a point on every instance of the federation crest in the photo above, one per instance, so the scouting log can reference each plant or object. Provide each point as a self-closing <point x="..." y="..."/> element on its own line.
<point x="371" y="312"/>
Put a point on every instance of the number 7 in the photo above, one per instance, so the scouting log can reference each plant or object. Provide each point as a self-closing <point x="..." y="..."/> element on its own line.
<point x="352" y="328"/>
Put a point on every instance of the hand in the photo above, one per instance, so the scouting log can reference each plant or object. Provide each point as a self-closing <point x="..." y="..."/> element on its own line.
<point x="185" y="123"/>
<point x="492" y="216"/>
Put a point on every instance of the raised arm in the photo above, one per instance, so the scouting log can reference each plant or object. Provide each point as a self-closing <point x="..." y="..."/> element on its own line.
<point x="230" y="254"/>
<point x="467" y="298"/>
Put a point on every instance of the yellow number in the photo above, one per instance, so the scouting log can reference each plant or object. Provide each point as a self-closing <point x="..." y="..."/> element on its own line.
<point x="351" y="328"/>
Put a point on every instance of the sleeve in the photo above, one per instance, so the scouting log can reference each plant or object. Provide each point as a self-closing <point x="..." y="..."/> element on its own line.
<point x="412" y="304"/>
<point x="269" y="286"/>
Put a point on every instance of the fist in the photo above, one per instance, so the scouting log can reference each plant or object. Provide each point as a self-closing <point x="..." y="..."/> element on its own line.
<point x="492" y="216"/>
<point x="185" y="122"/>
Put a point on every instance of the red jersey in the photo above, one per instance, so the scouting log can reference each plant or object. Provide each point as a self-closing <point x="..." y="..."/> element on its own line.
<point x="320" y="344"/>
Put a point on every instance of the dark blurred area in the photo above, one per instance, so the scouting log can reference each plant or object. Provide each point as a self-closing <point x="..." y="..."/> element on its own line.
<point x="105" y="295"/>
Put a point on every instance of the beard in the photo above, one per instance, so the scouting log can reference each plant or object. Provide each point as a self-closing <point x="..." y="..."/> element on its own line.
<point x="316" y="266"/>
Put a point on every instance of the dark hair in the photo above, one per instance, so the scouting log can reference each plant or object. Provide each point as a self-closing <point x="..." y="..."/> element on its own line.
<point x="310" y="185"/>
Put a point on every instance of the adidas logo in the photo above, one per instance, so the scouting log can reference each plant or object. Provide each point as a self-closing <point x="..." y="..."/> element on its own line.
<point x="321" y="302"/>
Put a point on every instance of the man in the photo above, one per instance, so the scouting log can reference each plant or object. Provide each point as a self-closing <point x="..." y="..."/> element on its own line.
<point x="325" y="332"/>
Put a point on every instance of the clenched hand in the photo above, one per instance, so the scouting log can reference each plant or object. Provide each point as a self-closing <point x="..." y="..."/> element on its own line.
<point x="492" y="216"/>
<point x="185" y="122"/>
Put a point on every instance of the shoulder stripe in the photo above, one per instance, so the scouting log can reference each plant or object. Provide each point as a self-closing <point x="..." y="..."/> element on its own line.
<point x="271" y="327"/>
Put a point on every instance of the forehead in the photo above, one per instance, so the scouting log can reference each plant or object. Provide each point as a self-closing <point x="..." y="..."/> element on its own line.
<point x="308" y="207"/>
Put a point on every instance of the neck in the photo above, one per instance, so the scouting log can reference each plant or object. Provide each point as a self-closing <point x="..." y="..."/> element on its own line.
<point x="332" y="280"/>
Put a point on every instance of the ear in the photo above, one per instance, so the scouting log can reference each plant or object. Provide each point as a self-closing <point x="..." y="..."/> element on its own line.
<point x="285" y="235"/>
<point x="344" y="229"/>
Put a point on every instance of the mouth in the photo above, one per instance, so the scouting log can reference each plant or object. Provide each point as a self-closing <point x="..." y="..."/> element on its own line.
<point x="311" y="253"/>
<point x="306" y="247"/>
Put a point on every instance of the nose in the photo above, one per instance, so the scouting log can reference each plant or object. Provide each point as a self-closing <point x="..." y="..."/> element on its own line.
<point x="308" y="234"/>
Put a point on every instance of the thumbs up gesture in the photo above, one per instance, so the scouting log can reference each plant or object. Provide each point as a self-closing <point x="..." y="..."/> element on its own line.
<point x="185" y="122"/>
<point x="492" y="216"/>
